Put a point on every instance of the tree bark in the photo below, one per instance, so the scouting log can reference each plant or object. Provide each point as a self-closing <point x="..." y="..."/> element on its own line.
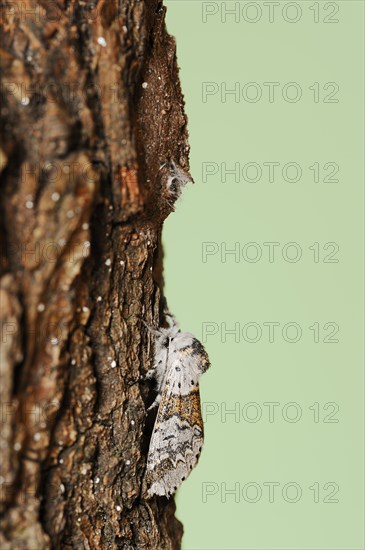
<point x="91" y="110"/>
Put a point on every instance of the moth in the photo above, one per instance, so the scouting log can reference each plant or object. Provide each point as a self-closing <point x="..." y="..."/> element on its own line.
<point x="177" y="178"/>
<point x="177" y="437"/>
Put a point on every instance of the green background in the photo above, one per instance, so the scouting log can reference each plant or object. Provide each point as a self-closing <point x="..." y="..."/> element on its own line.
<point x="325" y="445"/>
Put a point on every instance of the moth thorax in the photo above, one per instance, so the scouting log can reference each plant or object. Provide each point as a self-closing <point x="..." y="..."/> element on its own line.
<point x="177" y="179"/>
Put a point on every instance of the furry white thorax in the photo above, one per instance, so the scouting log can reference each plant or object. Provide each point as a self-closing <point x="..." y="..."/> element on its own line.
<point x="168" y="345"/>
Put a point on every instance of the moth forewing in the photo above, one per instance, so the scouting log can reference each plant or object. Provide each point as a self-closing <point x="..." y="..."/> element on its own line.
<point x="177" y="436"/>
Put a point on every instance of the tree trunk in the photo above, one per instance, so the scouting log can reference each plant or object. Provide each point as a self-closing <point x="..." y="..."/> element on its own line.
<point x="91" y="111"/>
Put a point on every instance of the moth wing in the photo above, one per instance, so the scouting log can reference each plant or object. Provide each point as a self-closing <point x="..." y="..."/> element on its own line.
<point x="177" y="436"/>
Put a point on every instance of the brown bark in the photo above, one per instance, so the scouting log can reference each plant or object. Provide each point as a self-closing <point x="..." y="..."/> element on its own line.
<point x="91" y="108"/>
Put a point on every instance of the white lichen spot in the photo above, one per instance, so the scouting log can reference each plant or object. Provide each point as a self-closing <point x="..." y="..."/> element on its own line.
<point x="132" y="422"/>
<point x="85" y="226"/>
<point x="54" y="341"/>
<point x="97" y="480"/>
<point x="62" y="487"/>
<point x="121" y="262"/>
<point x="108" y="261"/>
<point x="55" y="196"/>
<point x="113" y="364"/>
<point x="144" y="85"/>
<point x="99" y="299"/>
<point x="85" y="309"/>
<point x="79" y="520"/>
<point x="70" y="214"/>
<point x="17" y="446"/>
<point x="73" y="361"/>
<point x="41" y="307"/>
<point x="61" y="461"/>
<point x="128" y="462"/>
<point x="62" y="242"/>
<point x="29" y="205"/>
<point x="124" y="28"/>
<point x="102" y="41"/>
<point x="148" y="243"/>
<point x="118" y="508"/>
<point x="25" y="101"/>
<point x="37" y="436"/>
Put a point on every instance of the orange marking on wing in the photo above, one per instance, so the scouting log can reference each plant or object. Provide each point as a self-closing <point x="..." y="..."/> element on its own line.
<point x="186" y="406"/>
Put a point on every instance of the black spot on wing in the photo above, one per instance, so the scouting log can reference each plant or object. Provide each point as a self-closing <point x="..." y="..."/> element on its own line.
<point x="168" y="437"/>
<point x="182" y="427"/>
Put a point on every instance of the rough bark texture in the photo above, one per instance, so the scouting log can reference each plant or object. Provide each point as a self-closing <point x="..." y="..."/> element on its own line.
<point x="91" y="108"/>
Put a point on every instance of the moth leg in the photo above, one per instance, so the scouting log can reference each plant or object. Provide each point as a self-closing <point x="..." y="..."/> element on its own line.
<point x="157" y="370"/>
<point x="155" y="403"/>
